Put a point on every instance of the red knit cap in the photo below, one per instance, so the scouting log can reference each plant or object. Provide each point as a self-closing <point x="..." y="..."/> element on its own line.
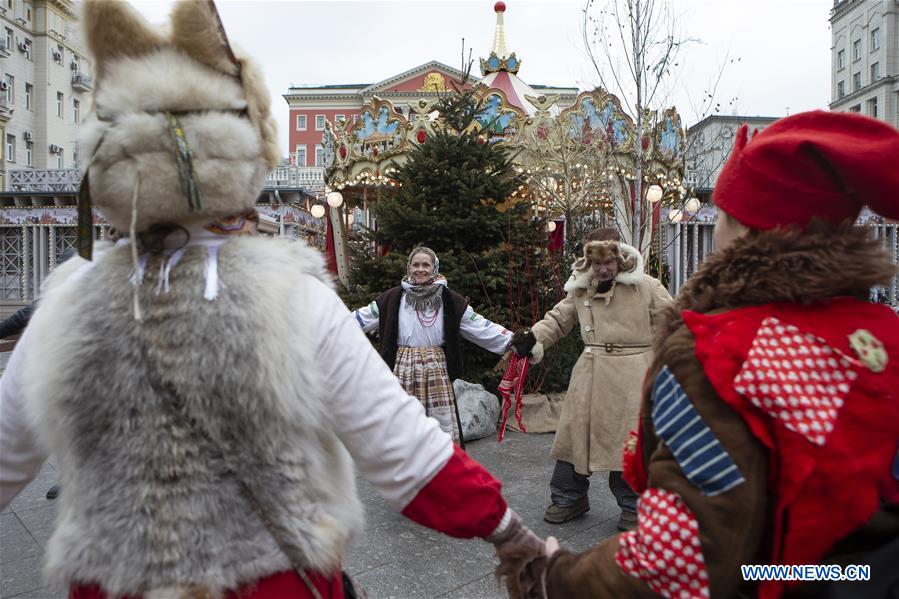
<point x="814" y="164"/>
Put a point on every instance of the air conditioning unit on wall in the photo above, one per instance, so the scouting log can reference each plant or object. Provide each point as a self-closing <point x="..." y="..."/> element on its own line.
<point x="57" y="55"/>
<point x="54" y="149"/>
<point x="28" y="136"/>
<point x="4" y="86"/>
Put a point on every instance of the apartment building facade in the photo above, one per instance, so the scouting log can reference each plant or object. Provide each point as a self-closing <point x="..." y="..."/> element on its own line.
<point x="45" y="86"/>
<point x="865" y="55"/>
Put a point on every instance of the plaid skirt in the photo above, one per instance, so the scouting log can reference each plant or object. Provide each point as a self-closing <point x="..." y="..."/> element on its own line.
<point x="422" y="373"/>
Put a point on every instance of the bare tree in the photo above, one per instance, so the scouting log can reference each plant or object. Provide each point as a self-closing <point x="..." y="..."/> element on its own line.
<point x="566" y="172"/>
<point x="635" y="48"/>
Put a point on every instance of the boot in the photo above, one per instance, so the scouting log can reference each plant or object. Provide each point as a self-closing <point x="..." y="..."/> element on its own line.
<point x="557" y="515"/>
<point x="627" y="521"/>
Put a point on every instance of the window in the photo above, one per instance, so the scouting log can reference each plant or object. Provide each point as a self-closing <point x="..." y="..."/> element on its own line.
<point x="856" y="81"/>
<point x="856" y="108"/>
<point x="8" y="39"/>
<point x="29" y="153"/>
<point x="875" y="72"/>
<point x="857" y="50"/>
<point x="339" y="118"/>
<point x="28" y="12"/>
<point x="76" y="109"/>
<point x="301" y="155"/>
<point x="872" y="107"/>
<point x="319" y="155"/>
<point x="841" y="89"/>
<point x="10" y="147"/>
<point x="28" y="53"/>
<point x="841" y="59"/>
<point x="10" y="89"/>
<point x="60" y="100"/>
<point x="875" y="39"/>
<point x="29" y="93"/>
<point x="60" y="163"/>
<point x="301" y="122"/>
<point x="319" y="122"/>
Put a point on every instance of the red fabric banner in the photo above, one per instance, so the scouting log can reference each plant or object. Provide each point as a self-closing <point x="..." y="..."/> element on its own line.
<point x="512" y="381"/>
<point x="330" y="247"/>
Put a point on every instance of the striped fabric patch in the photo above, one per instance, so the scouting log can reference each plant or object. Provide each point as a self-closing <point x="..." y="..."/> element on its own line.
<point x="697" y="451"/>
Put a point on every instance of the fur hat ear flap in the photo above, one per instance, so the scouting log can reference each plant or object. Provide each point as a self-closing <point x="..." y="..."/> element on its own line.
<point x="197" y="31"/>
<point x="627" y="264"/>
<point x="115" y="30"/>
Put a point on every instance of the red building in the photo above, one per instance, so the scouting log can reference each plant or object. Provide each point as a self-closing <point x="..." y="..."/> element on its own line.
<point x="311" y="106"/>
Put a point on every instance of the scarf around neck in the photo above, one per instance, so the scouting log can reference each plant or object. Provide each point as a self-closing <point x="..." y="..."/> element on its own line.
<point x="425" y="297"/>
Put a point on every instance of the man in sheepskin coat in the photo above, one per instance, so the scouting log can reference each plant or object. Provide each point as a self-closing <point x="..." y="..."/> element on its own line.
<point x="770" y="416"/>
<point x="612" y="301"/>
<point x="208" y="388"/>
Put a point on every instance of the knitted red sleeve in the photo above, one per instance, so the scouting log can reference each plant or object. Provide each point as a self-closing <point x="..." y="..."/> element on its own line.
<point x="462" y="500"/>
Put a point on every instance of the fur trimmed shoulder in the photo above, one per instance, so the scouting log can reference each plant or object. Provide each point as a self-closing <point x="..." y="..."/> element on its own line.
<point x="65" y="271"/>
<point x="273" y="253"/>
<point x="579" y="279"/>
<point x="634" y="276"/>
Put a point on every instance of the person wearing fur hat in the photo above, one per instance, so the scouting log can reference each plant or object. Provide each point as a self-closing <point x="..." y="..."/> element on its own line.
<point x="209" y="391"/>
<point x="770" y="415"/>
<point x="613" y="302"/>
<point x="420" y="324"/>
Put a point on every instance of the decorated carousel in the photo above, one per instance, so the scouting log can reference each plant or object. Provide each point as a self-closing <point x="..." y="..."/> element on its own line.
<point x="576" y="161"/>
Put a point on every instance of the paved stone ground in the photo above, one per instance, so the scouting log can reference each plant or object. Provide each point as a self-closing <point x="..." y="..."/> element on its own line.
<point x="392" y="558"/>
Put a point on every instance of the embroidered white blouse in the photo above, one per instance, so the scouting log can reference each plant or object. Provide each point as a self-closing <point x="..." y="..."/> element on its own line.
<point x="413" y="332"/>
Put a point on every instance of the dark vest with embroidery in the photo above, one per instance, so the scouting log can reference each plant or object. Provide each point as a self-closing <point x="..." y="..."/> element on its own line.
<point x="454" y="306"/>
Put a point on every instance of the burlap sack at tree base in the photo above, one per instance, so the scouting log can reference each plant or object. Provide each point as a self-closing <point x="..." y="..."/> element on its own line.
<point x="539" y="413"/>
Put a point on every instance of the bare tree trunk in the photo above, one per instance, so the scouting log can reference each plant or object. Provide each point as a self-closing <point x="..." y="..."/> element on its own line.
<point x="638" y="50"/>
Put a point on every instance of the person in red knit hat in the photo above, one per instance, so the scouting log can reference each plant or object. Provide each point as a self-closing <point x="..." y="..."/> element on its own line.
<point x="770" y="416"/>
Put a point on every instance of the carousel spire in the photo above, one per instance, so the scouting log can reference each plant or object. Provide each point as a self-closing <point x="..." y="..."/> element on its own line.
<point x="500" y="59"/>
<point x="499" y="36"/>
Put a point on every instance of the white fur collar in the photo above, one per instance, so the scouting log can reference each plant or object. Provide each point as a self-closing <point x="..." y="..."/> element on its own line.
<point x="580" y="276"/>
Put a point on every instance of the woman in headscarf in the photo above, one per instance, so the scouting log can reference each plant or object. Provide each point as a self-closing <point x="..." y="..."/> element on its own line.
<point x="420" y="323"/>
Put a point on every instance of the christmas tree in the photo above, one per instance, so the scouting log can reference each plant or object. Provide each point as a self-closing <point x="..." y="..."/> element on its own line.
<point x="456" y="196"/>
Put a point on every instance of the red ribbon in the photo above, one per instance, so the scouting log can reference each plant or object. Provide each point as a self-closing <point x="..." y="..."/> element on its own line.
<point x="513" y="379"/>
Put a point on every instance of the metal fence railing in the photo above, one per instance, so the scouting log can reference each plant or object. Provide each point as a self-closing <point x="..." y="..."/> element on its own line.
<point x="689" y="243"/>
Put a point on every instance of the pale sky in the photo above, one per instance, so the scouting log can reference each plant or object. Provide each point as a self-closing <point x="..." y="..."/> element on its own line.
<point x="780" y="48"/>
